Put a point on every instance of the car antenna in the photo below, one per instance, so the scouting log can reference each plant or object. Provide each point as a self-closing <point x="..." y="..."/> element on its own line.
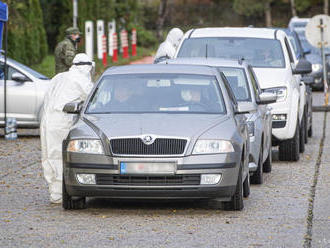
<point x="240" y="60"/>
<point x="206" y="51"/>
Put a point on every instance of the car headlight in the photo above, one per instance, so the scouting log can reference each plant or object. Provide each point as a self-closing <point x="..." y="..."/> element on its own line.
<point x="280" y="92"/>
<point x="86" y="146"/>
<point x="250" y="126"/>
<point x="212" y="146"/>
<point x="316" y="67"/>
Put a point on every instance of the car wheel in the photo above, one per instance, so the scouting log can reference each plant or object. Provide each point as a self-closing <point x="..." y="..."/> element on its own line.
<point x="257" y="177"/>
<point x="71" y="203"/>
<point x="306" y="127"/>
<point x="289" y="149"/>
<point x="302" y="134"/>
<point x="246" y="186"/>
<point x="268" y="163"/>
<point x="310" y="130"/>
<point x="236" y="202"/>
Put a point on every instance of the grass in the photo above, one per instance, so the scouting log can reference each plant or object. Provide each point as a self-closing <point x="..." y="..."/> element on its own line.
<point x="47" y="66"/>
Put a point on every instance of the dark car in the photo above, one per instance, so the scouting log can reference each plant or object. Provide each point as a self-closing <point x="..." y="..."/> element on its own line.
<point x="158" y="132"/>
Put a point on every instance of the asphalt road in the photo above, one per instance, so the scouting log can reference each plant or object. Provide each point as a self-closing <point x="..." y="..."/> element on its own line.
<point x="291" y="208"/>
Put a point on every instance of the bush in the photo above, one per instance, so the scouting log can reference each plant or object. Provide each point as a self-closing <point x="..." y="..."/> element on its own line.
<point x="145" y="37"/>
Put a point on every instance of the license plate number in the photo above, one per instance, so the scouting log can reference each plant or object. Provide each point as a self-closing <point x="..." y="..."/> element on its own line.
<point x="147" y="168"/>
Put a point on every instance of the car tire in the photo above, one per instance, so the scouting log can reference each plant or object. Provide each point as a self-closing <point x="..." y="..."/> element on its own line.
<point x="69" y="203"/>
<point x="257" y="177"/>
<point x="236" y="202"/>
<point x="246" y="186"/>
<point x="289" y="149"/>
<point x="310" y="130"/>
<point x="306" y="127"/>
<point x="302" y="134"/>
<point x="268" y="163"/>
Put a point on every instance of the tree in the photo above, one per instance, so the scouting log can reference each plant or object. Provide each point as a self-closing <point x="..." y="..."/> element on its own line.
<point x="293" y="8"/>
<point x="162" y="13"/>
<point x="255" y="8"/>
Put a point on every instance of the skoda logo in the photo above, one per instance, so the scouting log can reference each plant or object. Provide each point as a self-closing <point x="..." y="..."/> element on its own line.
<point x="148" y="140"/>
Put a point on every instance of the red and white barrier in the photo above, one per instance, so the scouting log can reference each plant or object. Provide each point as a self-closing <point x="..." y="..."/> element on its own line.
<point x="104" y="50"/>
<point x="124" y="43"/>
<point x="115" y="47"/>
<point x="134" y="41"/>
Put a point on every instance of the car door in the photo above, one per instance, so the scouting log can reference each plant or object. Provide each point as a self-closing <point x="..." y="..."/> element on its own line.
<point x="21" y="96"/>
<point x="264" y="111"/>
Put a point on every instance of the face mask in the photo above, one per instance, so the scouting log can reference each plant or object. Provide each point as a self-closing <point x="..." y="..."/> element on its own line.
<point x="77" y="40"/>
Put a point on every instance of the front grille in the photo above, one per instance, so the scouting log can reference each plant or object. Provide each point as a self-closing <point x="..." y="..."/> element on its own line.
<point x="108" y="179"/>
<point x="135" y="146"/>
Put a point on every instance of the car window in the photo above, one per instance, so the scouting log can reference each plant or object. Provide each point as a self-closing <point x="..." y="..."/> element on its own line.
<point x="229" y="91"/>
<point x="265" y="53"/>
<point x="157" y="93"/>
<point x="10" y="71"/>
<point x="255" y="85"/>
<point x="288" y="50"/>
<point x="238" y="82"/>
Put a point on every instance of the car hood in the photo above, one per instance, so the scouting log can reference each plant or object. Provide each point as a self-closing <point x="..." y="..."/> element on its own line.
<point x="275" y="77"/>
<point x="179" y="125"/>
<point x="314" y="58"/>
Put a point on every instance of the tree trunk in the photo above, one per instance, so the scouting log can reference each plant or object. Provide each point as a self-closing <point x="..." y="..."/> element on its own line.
<point x="326" y="7"/>
<point x="293" y="8"/>
<point x="162" y="13"/>
<point x="268" y="14"/>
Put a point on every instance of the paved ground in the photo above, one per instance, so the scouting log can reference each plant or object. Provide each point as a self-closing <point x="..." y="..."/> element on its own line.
<point x="280" y="213"/>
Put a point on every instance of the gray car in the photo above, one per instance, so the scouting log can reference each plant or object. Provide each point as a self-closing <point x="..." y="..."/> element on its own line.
<point x="243" y="83"/>
<point x="158" y="132"/>
<point x="26" y="89"/>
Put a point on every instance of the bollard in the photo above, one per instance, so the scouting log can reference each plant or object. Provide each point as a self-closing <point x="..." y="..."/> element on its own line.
<point x="124" y="43"/>
<point x="104" y="48"/>
<point x="134" y="41"/>
<point x="115" y="48"/>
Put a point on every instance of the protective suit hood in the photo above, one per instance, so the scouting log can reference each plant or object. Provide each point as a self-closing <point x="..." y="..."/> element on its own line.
<point x="174" y="37"/>
<point x="165" y="51"/>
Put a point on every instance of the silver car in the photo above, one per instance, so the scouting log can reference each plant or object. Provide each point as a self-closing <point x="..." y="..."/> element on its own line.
<point x="25" y="93"/>
<point x="158" y="132"/>
<point x="243" y="83"/>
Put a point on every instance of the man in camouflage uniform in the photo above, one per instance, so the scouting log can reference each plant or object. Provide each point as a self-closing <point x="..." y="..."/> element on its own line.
<point x="66" y="50"/>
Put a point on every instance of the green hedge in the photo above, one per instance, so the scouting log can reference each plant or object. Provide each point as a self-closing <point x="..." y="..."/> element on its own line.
<point x="27" y="41"/>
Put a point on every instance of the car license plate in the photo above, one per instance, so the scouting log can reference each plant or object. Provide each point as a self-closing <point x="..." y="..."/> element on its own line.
<point x="147" y="168"/>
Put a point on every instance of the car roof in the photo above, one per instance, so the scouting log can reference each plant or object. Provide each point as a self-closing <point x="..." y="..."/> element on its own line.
<point x="233" y="32"/>
<point x="161" y="68"/>
<point x="209" y="61"/>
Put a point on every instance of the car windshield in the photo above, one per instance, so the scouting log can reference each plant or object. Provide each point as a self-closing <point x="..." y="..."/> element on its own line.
<point x="257" y="52"/>
<point x="157" y="93"/>
<point x="238" y="83"/>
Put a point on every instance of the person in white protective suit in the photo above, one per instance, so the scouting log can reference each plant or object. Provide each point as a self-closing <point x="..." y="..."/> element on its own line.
<point x="73" y="85"/>
<point x="168" y="48"/>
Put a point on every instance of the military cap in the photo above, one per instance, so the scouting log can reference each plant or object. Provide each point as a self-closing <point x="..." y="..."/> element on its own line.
<point x="72" y="30"/>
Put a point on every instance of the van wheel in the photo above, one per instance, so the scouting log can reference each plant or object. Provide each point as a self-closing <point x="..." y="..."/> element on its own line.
<point x="306" y="127"/>
<point x="302" y="135"/>
<point x="71" y="203"/>
<point x="236" y="202"/>
<point x="257" y="177"/>
<point x="268" y="162"/>
<point x="310" y="130"/>
<point x="289" y="149"/>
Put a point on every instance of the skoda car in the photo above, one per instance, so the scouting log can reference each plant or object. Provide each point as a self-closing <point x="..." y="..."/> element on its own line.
<point x="243" y="83"/>
<point x="158" y="132"/>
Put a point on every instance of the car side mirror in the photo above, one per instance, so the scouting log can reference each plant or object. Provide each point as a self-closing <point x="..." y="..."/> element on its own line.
<point x="267" y="98"/>
<point x="19" y="77"/>
<point x="307" y="51"/>
<point x="73" y="107"/>
<point x="245" y="108"/>
<point x="161" y="59"/>
<point x="303" y="67"/>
